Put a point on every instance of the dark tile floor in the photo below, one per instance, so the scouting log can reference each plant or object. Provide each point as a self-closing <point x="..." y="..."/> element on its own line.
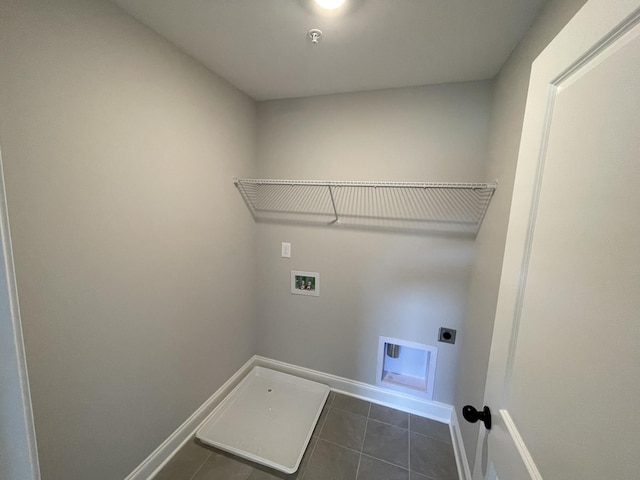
<point x="353" y="440"/>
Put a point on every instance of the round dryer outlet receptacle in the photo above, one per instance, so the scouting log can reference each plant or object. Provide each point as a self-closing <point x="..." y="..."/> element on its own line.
<point x="447" y="335"/>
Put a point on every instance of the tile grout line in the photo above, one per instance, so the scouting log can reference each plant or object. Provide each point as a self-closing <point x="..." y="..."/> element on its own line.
<point x="200" y="467"/>
<point x="434" y="438"/>
<point x="431" y="436"/>
<point x="338" y="445"/>
<point x="329" y="405"/>
<point x="352" y="413"/>
<point x="409" y="445"/>
<point x="364" y="436"/>
<point x="385" y="461"/>
<point x="388" y="424"/>
<point x="358" y="468"/>
<point x="324" y="422"/>
<point x="428" y="477"/>
<point x="304" y="474"/>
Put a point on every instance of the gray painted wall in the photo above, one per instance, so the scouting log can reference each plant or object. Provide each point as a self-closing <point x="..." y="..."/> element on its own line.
<point x="372" y="283"/>
<point x="133" y="252"/>
<point x="510" y="96"/>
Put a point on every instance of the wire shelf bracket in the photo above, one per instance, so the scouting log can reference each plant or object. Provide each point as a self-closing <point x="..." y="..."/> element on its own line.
<point x="418" y="207"/>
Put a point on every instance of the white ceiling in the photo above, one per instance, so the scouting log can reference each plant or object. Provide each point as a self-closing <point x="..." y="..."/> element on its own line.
<point x="261" y="46"/>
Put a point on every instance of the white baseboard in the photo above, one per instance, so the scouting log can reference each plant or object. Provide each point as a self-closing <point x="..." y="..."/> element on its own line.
<point x="426" y="408"/>
<point x="161" y="455"/>
<point x="401" y="401"/>
<point x="464" y="472"/>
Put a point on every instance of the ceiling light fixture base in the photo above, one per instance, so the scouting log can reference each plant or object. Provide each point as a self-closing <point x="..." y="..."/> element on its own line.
<point x="314" y="34"/>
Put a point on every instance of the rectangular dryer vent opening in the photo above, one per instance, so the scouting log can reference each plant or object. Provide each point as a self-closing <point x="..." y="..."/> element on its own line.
<point x="406" y="366"/>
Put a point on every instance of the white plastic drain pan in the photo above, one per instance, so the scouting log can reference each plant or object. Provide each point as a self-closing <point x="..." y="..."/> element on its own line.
<point x="268" y="419"/>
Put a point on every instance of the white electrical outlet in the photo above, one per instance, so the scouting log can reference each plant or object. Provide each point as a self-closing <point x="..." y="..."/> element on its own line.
<point x="286" y="250"/>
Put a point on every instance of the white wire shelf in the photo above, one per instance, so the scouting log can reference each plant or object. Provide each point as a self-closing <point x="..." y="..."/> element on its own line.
<point x="404" y="206"/>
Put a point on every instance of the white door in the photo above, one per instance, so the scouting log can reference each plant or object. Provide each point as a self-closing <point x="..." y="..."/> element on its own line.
<point x="564" y="373"/>
<point x="18" y="452"/>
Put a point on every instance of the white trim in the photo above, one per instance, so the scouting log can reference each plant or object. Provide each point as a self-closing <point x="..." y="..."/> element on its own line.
<point x="297" y="291"/>
<point x="440" y="412"/>
<point x="26" y="465"/>
<point x="161" y="455"/>
<point x="521" y="447"/>
<point x="326" y="183"/>
<point x="464" y="472"/>
<point x="431" y="360"/>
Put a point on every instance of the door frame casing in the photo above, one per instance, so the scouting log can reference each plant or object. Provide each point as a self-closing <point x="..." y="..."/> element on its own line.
<point x="19" y="455"/>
